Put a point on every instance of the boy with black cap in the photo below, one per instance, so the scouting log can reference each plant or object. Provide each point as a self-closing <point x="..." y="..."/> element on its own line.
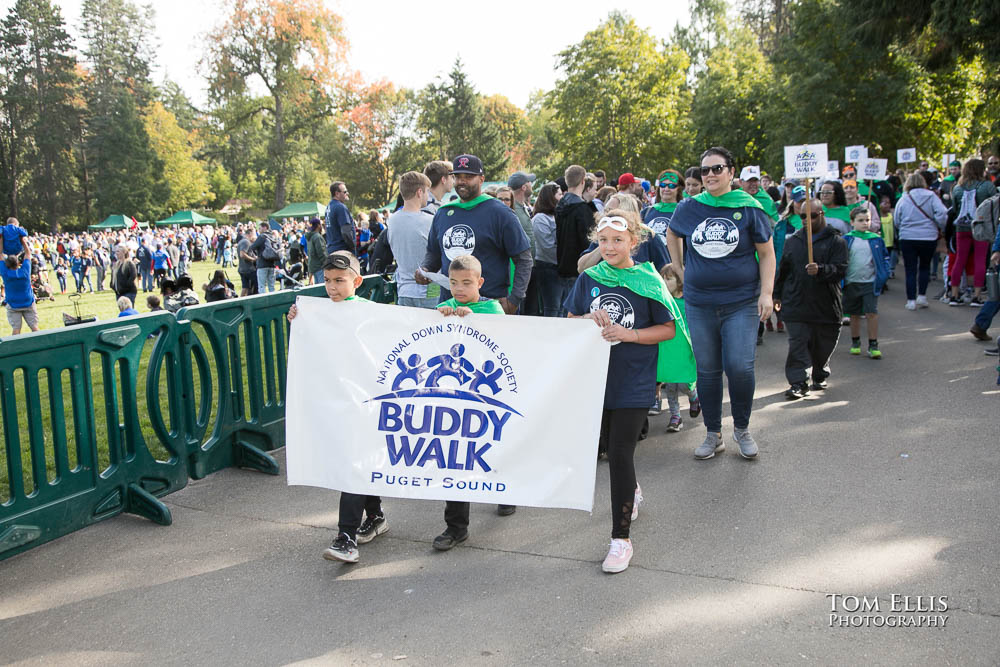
<point x="342" y="277"/>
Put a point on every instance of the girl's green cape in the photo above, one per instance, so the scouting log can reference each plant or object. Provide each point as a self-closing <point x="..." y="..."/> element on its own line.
<point x="675" y="361"/>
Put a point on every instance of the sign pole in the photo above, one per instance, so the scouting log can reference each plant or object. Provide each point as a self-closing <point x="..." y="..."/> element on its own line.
<point x="809" y="236"/>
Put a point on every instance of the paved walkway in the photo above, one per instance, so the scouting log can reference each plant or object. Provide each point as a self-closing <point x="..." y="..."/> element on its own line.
<point x="886" y="485"/>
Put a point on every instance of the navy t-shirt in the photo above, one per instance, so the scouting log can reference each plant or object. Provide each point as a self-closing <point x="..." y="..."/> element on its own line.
<point x="651" y="250"/>
<point x="632" y="368"/>
<point x="490" y="232"/>
<point x="658" y="221"/>
<point x="720" y="265"/>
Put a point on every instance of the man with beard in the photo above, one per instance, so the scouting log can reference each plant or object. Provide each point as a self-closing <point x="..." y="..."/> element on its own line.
<point x="478" y="225"/>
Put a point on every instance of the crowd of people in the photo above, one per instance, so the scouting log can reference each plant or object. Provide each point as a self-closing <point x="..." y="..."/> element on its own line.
<point x="684" y="273"/>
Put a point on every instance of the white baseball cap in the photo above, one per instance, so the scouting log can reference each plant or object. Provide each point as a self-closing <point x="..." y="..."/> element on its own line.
<point x="750" y="172"/>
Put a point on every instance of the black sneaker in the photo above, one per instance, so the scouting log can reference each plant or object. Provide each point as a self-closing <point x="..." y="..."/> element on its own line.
<point x="797" y="391"/>
<point x="343" y="549"/>
<point x="955" y="301"/>
<point x="815" y="386"/>
<point x="372" y="527"/>
<point x="447" y="539"/>
<point x="506" y="510"/>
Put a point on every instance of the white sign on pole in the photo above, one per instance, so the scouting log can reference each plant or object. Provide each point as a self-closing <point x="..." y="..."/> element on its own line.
<point x="873" y="169"/>
<point x="855" y="154"/>
<point x="404" y="402"/>
<point x="833" y="166"/>
<point x="806" y="161"/>
<point x="947" y="160"/>
<point x="904" y="155"/>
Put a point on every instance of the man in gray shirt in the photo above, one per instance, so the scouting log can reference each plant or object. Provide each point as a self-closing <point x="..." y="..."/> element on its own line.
<point x="408" y="231"/>
<point x="442" y="181"/>
<point x="247" y="267"/>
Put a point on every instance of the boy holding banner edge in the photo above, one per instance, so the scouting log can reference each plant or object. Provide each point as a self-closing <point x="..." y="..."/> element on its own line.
<point x="342" y="277"/>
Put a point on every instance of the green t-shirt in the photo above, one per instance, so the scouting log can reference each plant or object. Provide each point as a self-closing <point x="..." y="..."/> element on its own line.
<point x="484" y="305"/>
<point x="355" y="297"/>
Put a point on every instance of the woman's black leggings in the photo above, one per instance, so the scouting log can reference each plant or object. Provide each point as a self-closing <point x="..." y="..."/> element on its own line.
<point x="619" y="434"/>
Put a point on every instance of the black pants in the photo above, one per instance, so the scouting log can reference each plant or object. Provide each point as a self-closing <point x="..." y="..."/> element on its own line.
<point x="917" y="257"/>
<point x="352" y="505"/>
<point x="619" y="434"/>
<point x="810" y="345"/>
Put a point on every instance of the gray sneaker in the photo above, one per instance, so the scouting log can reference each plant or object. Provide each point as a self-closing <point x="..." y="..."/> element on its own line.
<point x="748" y="448"/>
<point x="713" y="443"/>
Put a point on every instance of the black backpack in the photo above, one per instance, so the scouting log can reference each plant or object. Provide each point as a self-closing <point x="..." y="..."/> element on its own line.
<point x="381" y="254"/>
<point x="269" y="252"/>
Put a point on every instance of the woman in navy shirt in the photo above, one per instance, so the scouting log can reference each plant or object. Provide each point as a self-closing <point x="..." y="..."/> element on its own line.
<point x="716" y="237"/>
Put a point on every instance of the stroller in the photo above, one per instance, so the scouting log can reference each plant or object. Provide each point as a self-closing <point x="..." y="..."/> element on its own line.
<point x="71" y="320"/>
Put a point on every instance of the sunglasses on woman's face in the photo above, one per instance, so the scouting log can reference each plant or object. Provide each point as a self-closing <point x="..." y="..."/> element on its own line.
<point x="668" y="185"/>
<point x="714" y="169"/>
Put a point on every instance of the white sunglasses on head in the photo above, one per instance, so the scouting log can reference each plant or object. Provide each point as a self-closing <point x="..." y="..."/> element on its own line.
<point x="615" y="222"/>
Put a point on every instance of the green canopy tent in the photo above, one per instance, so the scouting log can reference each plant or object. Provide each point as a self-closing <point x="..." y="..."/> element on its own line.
<point x="116" y="221"/>
<point x="185" y="218"/>
<point x="307" y="209"/>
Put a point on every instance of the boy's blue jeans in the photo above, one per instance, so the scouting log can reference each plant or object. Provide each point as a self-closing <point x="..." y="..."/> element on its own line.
<point x="724" y="338"/>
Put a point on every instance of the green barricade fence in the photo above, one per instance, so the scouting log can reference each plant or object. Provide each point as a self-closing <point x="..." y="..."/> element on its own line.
<point x="75" y="402"/>
<point x="106" y="418"/>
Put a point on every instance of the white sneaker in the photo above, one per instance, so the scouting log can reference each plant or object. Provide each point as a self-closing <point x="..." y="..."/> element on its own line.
<point x="911" y="305"/>
<point x="922" y="301"/>
<point x="618" y="556"/>
<point x="635" y="503"/>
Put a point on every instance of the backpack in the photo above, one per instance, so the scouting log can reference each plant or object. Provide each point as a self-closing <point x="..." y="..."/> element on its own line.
<point x="984" y="226"/>
<point x="967" y="212"/>
<point x="269" y="252"/>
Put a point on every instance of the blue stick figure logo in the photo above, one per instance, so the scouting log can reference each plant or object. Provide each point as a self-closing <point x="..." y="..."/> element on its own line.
<point x="715" y="238"/>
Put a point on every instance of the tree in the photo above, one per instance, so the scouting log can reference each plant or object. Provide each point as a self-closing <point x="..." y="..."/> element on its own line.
<point x="127" y="174"/>
<point x="454" y="119"/>
<point x="294" y="49"/>
<point x="622" y="100"/>
<point x="41" y="100"/>
<point x="185" y="177"/>
<point x="734" y="90"/>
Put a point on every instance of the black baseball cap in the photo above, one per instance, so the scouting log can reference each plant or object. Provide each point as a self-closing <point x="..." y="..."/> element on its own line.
<point x="467" y="164"/>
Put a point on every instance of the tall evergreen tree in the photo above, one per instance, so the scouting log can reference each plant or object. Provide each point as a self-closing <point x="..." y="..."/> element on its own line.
<point x="127" y="175"/>
<point x="455" y="120"/>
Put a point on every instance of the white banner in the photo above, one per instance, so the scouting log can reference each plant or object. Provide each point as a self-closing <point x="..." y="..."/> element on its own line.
<point x="404" y="402"/>
<point x="873" y="169"/>
<point x="855" y="154"/>
<point x="904" y="155"/>
<point x="833" y="167"/>
<point x="806" y="161"/>
<point x="947" y="160"/>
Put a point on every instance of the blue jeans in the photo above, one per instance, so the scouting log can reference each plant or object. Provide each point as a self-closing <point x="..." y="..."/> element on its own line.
<point x="318" y="277"/>
<point x="417" y="302"/>
<point x="265" y="280"/>
<point x="147" y="279"/>
<point x="78" y="277"/>
<point x="986" y="314"/>
<point x="567" y="287"/>
<point x="724" y="338"/>
<point x="552" y="289"/>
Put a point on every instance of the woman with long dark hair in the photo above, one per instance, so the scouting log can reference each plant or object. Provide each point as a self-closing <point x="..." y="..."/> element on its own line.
<point x="727" y="293"/>
<point x="835" y="210"/>
<point x="219" y="288"/>
<point x="543" y="226"/>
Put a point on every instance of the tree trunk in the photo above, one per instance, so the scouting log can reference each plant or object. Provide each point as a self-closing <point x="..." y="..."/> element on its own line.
<point x="279" y="150"/>
<point x="84" y="175"/>
<point x="48" y="193"/>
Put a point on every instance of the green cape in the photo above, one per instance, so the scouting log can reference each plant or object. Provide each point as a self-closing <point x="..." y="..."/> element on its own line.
<point x="472" y="203"/>
<point x="732" y="199"/>
<point x="665" y="206"/>
<point x="838" y="212"/>
<point x="767" y="204"/>
<point x="490" y="307"/>
<point x="675" y="360"/>
<point x="795" y="221"/>
<point x="357" y="298"/>
<point x="863" y="235"/>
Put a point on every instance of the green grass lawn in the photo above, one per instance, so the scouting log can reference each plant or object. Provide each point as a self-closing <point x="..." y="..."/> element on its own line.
<point x="103" y="306"/>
